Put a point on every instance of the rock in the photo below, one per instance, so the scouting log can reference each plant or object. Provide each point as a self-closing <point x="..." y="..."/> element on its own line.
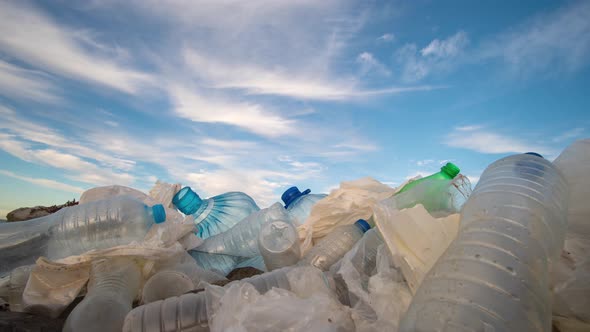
<point x="27" y="213"/>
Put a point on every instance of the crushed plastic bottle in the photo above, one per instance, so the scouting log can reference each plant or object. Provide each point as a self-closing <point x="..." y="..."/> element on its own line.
<point x="216" y="214"/>
<point x="13" y="285"/>
<point x="335" y="245"/>
<point x="111" y="291"/>
<point x="241" y="240"/>
<point x="77" y="229"/>
<point x="188" y="312"/>
<point x="221" y="263"/>
<point x="299" y="203"/>
<point x="494" y="275"/>
<point x="172" y="281"/>
<point x="278" y="244"/>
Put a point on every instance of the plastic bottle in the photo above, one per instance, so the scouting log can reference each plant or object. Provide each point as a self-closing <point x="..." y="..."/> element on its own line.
<point x="13" y="285"/>
<point x="220" y="263"/>
<point x="335" y="245"/>
<point x="278" y="244"/>
<point x="77" y="229"/>
<point x="216" y="214"/>
<point x="241" y="240"/>
<point x="173" y="281"/>
<point x="188" y="312"/>
<point x="433" y="191"/>
<point x="494" y="275"/>
<point x="299" y="204"/>
<point x="111" y="291"/>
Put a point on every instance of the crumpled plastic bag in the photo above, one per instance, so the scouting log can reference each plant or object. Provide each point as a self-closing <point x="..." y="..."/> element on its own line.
<point x="354" y="200"/>
<point x="571" y="273"/>
<point x="414" y="238"/>
<point x="308" y="306"/>
<point x="377" y="292"/>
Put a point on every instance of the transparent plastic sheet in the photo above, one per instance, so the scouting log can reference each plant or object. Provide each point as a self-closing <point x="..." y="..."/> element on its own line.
<point x="310" y="305"/>
<point x="352" y="201"/>
<point x="13" y="285"/>
<point x="377" y="292"/>
<point x="414" y="238"/>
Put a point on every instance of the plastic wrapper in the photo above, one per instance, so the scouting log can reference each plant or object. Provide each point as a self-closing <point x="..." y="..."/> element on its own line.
<point x="310" y="305"/>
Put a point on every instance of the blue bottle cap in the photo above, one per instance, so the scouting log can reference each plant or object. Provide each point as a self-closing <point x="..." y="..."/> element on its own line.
<point x="363" y="225"/>
<point x="292" y="194"/>
<point x="186" y="200"/>
<point x="534" y="154"/>
<point x="159" y="213"/>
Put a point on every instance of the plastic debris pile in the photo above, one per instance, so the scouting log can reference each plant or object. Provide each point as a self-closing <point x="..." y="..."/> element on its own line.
<point x="430" y="255"/>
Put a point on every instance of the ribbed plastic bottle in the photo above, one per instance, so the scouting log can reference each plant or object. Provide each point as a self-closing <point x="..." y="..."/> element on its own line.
<point x="431" y="191"/>
<point x="241" y="240"/>
<point x="278" y="244"/>
<point x="494" y="275"/>
<point x="77" y="229"/>
<point x="335" y="245"/>
<point x="299" y="203"/>
<point x="111" y="291"/>
<point x="216" y="214"/>
<point x="188" y="312"/>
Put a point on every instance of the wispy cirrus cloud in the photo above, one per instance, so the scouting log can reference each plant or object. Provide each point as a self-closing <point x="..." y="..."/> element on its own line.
<point x="27" y="84"/>
<point x="479" y="139"/>
<point x="26" y="31"/>
<point x="555" y="41"/>
<point x="48" y="183"/>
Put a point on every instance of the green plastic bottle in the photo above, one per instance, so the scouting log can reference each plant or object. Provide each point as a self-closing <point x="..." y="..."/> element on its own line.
<point x="447" y="172"/>
<point x="431" y="191"/>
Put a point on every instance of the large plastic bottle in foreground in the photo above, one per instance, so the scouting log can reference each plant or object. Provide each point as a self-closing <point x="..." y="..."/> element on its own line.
<point x="216" y="214"/>
<point x="299" y="203"/>
<point x="494" y="276"/>
<point x="188" y="312"/>
<point x="241" y="240"/>
<point x="114" y="285"/>
<point x="335" y="245"/>
<point x="77" y="229"/>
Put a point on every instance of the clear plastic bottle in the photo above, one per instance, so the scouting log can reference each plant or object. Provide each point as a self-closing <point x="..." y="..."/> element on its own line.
<point x="173" y="281"/>
<point x="494" y="275"/>
<point x="241" y="240"/>
<point x="220" y="263"/>
<point x="216" y="214"/>
<point x="111" y="291"/>
<point x="335" y="245"/>
<point x="299" y="203"/>
<point x="77" y="229"/>
<point x="278" y="244"/>
<point x="188" y="312"/>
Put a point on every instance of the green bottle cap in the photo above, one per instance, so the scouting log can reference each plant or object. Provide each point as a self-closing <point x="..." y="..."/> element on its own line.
<point x="451" y="170"/>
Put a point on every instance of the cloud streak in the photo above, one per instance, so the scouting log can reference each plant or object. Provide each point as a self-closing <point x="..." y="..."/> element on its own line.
<point x="44" y="182"/>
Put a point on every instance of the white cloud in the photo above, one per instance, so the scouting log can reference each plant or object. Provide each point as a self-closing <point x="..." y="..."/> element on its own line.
<point x="484" y="141"/>
<point x="26" y="84"/>
<point x="438" y="55"/>
<point x="388" y="37"/>
<point x="424" y="162"/>
<point x="556" y="41"/>
<point x="249" y="116"/>
<point x="572" y="133"/>
<point x="449" y="47"/>
<point x="44" y="182"/>
<point x="34" y="38"/>
<point x="369" y="64"/>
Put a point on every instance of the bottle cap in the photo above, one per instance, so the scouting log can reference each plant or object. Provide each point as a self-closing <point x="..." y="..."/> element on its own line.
<point x="159" y="213"/>
<point x="534" y="154"/>
<point x="292" y="194"/>
<point x="451" y="170"/>
<point x="363" y="225"/>
<point x="186" y="200"/>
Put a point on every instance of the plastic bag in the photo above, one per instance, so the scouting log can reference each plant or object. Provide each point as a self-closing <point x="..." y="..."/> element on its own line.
<point x="100" y="193"/>
<point x="163" y="193"/>
<point x="309" y="306"/>
<point x="415" y="239"/>
<point x="377" y="292"/>
<point x="352" y="201"/>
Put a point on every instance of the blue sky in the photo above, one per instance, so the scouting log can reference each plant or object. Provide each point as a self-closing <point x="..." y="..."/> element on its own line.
<point x="260" y="95"/>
